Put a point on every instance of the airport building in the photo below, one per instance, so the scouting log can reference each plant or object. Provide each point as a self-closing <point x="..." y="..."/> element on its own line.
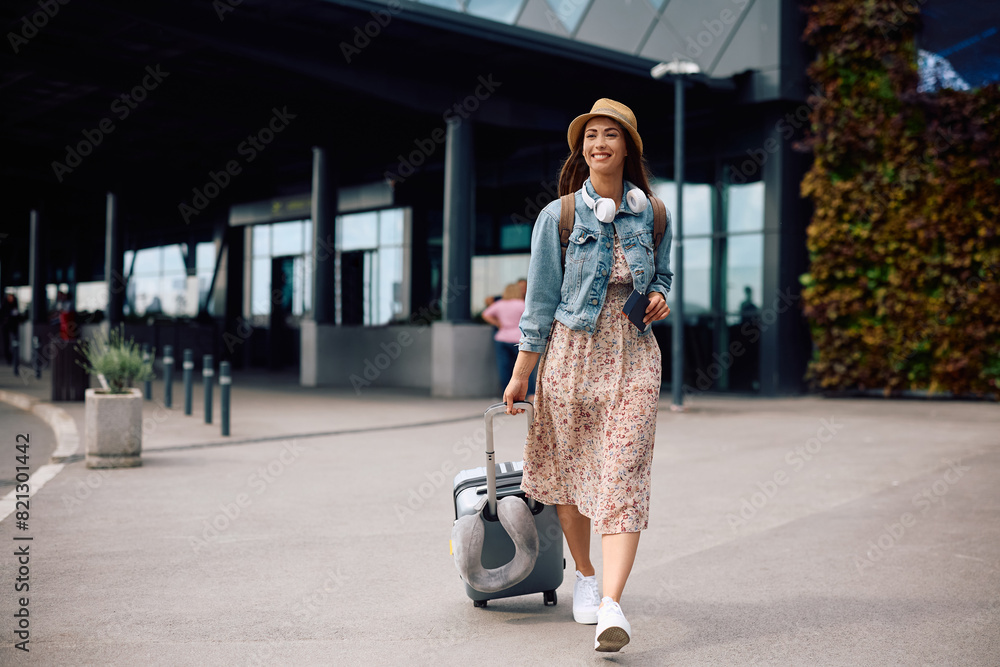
<point x="335" y="188"/>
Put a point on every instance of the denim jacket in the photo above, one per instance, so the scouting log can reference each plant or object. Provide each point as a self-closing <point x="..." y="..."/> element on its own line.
<point x="576" y="298"/>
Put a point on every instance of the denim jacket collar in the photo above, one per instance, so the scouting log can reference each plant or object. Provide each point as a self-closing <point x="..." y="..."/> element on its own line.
<point x="623" y="207"/>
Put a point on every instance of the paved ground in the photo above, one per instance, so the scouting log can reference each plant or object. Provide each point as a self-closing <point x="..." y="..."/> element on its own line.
<point x="40" y="446"/>
<point x="783" y="532"/>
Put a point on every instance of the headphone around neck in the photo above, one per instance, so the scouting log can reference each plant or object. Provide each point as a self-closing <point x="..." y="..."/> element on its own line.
<point x="606" y="208"/>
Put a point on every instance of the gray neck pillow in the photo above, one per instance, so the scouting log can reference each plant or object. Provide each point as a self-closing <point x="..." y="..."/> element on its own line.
<point x="467" y="539"/>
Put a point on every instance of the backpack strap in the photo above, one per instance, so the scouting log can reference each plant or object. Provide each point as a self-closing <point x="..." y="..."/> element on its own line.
<point x="659" y="220"/>
<point x="567" y="209"/>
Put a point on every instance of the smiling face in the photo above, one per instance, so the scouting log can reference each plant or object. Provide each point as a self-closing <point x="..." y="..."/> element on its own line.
<point x="604" y="147"/>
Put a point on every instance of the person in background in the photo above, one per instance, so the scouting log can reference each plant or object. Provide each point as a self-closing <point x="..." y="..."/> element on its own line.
<point x="505" y="314"/>
<point x="10" y="317"/>
<point x="522" y="283"/>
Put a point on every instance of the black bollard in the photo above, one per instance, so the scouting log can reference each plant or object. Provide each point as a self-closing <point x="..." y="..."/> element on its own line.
<point x="148" y="389"/>
<point x="168" y="375"/>
<point x="207" y="371"/>
<point x="225" y="380"/>
<point x="15" y="348"/>
<point x="188" y="379"/>
<point x="36" y="356"/>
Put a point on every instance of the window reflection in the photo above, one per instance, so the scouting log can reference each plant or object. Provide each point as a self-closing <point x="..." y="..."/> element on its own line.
<point x="569" y="12"/>
<point x="205" y="256"/>
<point x="697" y="277"/>
<point x="373" y="255"/>
<point x="286" y="238"/>
<point x="357" y="231"/>
<point x="505" y="11"/>
<point x="291" y="240"/>
<point x="744" y="274"/>
<point x="745" y="207"/>
<point x="697" y="205"/>
<point x="157" y="283"/>
<point x="454" y="5"/>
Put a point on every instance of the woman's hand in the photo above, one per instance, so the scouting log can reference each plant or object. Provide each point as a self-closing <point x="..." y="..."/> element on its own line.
<point x="657" y="308"/>
<point x="515" y="391"/>
<point x="517" y="388"/>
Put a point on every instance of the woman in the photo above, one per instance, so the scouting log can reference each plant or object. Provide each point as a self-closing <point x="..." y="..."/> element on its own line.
<point x="590" y="447"/>
<point x="505" y="314"/>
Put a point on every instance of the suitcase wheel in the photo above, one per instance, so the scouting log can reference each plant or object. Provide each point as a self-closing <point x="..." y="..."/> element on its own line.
<point x="549" y="597"/>
<point x="480" y="603"/>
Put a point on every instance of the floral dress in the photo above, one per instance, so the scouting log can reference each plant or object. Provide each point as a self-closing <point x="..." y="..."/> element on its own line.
<point x="591" y="442"/>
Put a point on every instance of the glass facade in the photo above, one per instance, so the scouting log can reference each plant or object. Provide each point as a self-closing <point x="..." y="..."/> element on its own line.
<point x="723" y="233"/>
<point x="291" y="243"/>
<point x="372" y="253"/>
<point x="158" y="283"/>
<point x="374" y="257"/>
<point x="503" y="11"/>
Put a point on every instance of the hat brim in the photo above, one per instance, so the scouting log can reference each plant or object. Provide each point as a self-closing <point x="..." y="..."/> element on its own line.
<point x="575" y="133"/>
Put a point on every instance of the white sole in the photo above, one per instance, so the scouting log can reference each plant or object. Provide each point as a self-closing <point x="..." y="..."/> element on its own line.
<point x="585" y="618"/>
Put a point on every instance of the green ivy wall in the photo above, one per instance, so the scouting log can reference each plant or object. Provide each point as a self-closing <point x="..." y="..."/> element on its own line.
<point x="903" y="289"/>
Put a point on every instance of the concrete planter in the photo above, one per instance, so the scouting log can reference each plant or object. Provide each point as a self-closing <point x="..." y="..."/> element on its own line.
<point x="113" y="429"/>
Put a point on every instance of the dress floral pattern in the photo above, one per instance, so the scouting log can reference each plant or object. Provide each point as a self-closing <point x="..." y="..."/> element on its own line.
<point x="591" y="442"/>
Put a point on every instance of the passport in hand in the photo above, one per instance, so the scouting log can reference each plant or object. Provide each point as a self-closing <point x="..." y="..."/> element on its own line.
<point x="635" y="309"/>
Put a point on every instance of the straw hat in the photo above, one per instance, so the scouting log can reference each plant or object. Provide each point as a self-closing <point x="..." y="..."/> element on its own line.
<point x="611" y="109"/>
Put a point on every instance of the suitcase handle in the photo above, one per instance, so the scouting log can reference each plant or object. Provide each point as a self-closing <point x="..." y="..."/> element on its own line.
<point x="491" y="469"/>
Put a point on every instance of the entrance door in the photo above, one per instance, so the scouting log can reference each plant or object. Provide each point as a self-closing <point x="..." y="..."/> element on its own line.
<point x="352" y="286"/>
<point x="283" y="341"/>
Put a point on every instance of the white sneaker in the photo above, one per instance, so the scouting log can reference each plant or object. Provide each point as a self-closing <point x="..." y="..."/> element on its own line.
<point x="613" y="631"/>
<point x="586" y="599"/>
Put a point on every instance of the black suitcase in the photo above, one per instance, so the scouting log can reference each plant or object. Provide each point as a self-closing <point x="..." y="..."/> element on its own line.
<point x="472" y="493"/>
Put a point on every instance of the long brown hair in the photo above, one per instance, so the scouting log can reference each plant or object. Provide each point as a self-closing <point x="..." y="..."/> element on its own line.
<point x="575" y="170"/>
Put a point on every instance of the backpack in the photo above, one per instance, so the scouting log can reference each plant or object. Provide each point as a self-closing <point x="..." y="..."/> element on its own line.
<point x="567" y="209"/>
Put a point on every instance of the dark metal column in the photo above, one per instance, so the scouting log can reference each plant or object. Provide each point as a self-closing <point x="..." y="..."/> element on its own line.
<point x="324" y="218"/>
<point x="459" y="220"/>
<point x="36" y="271"/>
<point x="785" y="344"/>
<point x="114" y="262"/>
<point x="677" y="285"/>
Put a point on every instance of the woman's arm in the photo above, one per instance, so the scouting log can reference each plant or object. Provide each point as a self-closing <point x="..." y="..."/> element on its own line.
<point x="517" y="388"/>
<point x="545" y="272"/>
<point x="663" y="277"/>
